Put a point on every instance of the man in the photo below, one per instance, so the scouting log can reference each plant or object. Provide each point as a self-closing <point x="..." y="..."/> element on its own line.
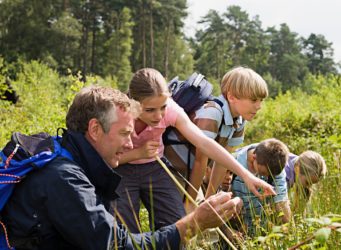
<point x="66" y="204"/>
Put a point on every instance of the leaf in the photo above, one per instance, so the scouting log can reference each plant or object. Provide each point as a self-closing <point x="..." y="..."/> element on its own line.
<point x="336" y="224"/>
<point x="261" y="239"/>
<point x="276" y="229"/>
<point x="326" y="221"/>
<point x="314" y="220"/>
<point x="322" y="234"/>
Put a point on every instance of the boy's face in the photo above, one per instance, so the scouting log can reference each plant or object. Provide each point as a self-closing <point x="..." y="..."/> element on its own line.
<point x="260" y="169"/>
<point x="226" y="184"/>
<point x="244" y="107"/>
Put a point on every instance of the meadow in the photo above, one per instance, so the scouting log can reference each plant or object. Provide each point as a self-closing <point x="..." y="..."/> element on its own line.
<point x="303" y="120"/>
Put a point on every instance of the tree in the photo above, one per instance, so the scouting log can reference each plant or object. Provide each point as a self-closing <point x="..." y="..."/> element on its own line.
<point x="286" y="63"/>
<point x="118" y="50"/>
<point x="212" y="54"/>
<point x="320" y="54"/>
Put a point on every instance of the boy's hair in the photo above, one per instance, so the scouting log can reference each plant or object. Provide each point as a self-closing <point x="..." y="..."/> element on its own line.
<point x="312" y="163"/>
<point x="147" y="82"/>
<point x="272" y="153"/>
<point x="100" y="103"/>
<point x="243" y="82"/>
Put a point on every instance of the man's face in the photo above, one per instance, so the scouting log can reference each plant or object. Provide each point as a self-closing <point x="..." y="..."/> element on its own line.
<point x="111" y="145"/>
<point x="245" y="107"/>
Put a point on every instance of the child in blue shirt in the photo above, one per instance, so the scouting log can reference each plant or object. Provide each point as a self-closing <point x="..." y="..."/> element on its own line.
<point x="266" y="160"/>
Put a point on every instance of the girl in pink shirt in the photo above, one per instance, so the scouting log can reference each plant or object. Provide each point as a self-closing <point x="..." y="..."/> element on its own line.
<point x="143" y="179"/>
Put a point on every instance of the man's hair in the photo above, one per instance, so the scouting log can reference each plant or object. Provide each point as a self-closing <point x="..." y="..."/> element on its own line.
<point x="273" y="154"/>
<point x="311" y="164"/>
<point x="147" y="82"/>
<point x="243" y="82"/>
<point x="100" y="103"/>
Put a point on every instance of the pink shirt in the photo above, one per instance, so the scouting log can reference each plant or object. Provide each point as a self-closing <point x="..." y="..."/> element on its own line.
<point x="155" y="133"/>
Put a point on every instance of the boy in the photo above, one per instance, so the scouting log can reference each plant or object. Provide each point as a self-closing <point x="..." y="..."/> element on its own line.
<point x="267" y="160"/>
<point x="242" y="93"/>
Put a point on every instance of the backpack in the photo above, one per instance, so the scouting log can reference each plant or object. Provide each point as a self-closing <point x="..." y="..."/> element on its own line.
<point x="190" y="94"/>
<point x="21" y="155"/>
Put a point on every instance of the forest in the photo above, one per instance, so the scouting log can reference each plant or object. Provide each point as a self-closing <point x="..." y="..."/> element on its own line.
<point x="51" y="49"/>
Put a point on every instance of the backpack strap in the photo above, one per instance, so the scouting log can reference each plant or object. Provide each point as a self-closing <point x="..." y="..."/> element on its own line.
<point x="221" y="104"/>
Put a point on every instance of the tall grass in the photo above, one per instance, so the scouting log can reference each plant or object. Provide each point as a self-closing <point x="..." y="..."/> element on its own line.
<point x="302" y="120"/>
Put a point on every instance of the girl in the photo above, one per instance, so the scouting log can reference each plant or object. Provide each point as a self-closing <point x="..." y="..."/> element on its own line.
<point x="301" y="173"/>
<point x="142" y="177"/>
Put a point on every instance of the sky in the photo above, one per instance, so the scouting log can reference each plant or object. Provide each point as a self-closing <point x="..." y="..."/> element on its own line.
<point x="302" y="16"/>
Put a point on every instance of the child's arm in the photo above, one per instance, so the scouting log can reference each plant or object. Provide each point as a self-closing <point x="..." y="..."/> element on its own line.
<point x="148" y="150"/>
<point x="217" y="176"/>
<point x="217" y="153"/>
<point x="282" y="203"/>
<point x="197" y="173"/>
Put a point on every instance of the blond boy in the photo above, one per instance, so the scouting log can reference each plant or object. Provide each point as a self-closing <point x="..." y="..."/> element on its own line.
<point x="242" y="93"/>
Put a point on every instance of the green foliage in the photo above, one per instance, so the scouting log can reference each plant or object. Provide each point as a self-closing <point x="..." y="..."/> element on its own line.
<point x="303" y="121"/>
<point x="39" y="108"/>
<point x="44" y="99"/>
<point x="117" y="50"/>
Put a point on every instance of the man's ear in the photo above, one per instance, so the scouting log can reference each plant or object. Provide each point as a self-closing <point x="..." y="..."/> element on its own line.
<point x="94" y="129"/>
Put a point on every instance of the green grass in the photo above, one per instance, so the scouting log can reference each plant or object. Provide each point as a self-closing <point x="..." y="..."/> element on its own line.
<point x="303" y="121"/>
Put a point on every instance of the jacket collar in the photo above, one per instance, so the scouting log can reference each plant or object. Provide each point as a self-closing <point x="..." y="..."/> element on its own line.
<point x="102" y="176"/>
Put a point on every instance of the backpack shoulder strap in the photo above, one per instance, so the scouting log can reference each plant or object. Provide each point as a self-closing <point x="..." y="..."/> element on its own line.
<point x="221" y="104"/>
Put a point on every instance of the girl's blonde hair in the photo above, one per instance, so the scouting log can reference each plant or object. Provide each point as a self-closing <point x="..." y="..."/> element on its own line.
<point x="243" y="82"/>
<point x="147" y="82"/>
<point x="312" y="163"/>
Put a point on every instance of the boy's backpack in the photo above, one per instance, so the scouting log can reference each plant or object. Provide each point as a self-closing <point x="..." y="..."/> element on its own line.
<point x="21" y="155"/>
<point x="190" y="94"/>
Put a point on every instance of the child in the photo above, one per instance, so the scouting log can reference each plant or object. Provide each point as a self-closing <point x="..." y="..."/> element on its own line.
<point x="267" y="160"/>
<point x="242" y="93"/>
<point x="143" y="178"/>
<point x="302" y="172"/>
<point x="225" y="185"/>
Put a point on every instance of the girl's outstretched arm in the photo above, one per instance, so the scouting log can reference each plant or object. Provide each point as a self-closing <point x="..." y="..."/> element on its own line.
<point x="217" y="153"/>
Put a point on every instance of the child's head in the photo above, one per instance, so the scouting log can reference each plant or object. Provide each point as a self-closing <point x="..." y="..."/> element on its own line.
<point x="147" y="82"/>
<point x="270" y="157"/>
<point x="243" y="82"/>
<point x="150" y="88"/>
<point x="245" y="90"/>
<point x="227" y="181"/>
<point x="310" y="168"/>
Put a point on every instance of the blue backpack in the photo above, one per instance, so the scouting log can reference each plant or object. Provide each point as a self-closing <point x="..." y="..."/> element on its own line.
<point x="21" y="155"/>
<point x="190" y="94"/>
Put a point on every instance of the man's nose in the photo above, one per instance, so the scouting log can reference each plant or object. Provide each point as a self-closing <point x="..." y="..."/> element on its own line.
<point x="129" y="143"/>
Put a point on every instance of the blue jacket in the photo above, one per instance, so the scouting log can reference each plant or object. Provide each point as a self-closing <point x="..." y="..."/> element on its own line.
<point x="66" y="205"/>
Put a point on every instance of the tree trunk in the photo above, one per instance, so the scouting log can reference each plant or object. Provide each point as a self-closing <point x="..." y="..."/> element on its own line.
<point x="151" y="37"/>
<point x="144" y="56"/>
<point x="167" y="40"/>
<point x="85" y="38"/>
<point x="93" y="47"/>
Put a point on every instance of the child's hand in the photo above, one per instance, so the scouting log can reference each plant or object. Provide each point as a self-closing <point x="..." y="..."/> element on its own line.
<point x="254" y="184"/>
<point x="149" y="149"/>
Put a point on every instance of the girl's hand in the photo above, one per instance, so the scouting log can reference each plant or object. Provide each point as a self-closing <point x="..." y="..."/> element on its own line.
<point x="149" y="149"/>
<point x="254" y="184"/>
